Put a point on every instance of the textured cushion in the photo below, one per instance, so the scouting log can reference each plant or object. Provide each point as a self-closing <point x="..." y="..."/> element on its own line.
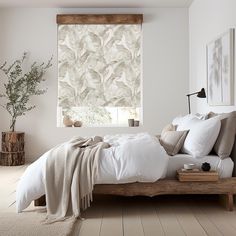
<point x="201" y="137"/>
<point x="172" y="141"/>
<point x="225" y="141"/>
<point x="168" y="127"/>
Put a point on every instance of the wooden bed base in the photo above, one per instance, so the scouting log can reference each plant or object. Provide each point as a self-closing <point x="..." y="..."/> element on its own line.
<point x="224" y="187"/>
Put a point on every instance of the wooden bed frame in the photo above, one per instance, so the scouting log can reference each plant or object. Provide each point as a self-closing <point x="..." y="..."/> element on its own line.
<point x="226" y="188"/>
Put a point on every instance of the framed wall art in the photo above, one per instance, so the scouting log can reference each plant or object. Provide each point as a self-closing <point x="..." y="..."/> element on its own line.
<point x="220" y="70"/>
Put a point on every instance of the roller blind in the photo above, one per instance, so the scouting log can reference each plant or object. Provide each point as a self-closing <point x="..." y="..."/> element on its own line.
<point x="99" y="65"/>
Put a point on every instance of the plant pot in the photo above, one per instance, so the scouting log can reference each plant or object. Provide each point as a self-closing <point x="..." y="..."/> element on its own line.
<point x="12" y="153"/>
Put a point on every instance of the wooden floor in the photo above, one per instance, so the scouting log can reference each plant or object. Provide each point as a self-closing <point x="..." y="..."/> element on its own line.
<point x="9" y="178"/>
<point x="170" y="215"/>
<point x="139" y="216"/>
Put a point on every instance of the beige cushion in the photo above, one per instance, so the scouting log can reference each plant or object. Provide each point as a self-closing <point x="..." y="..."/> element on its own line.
<point x="225" y="141"/>
<point x="221" y="115"/>
<point x="172" y="141"/>
<point x="168" y="127"/>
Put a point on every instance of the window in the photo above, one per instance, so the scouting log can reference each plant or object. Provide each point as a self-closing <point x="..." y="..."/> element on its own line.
<point x="99" y="73"/>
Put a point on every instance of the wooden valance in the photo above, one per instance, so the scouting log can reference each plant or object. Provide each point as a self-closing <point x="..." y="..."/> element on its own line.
<point x="99" y="19"/>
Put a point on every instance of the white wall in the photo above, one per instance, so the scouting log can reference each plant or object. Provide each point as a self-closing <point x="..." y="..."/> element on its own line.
<point x="165" y="70"/>
<point x="207" y="20"/>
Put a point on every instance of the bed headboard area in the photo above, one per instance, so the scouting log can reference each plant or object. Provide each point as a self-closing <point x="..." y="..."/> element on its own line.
<point x="233" y="156"/>
<point x="228" y="125"/>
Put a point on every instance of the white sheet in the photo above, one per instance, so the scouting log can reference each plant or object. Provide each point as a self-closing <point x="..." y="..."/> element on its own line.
<point x="132" y="158"/>
<point x="224" y="167"/>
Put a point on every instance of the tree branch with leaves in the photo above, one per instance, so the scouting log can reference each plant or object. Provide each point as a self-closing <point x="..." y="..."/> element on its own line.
<point x="21" y="85"/>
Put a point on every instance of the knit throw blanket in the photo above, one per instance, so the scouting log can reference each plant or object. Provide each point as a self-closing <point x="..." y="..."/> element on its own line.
<point x="70" y="174"/>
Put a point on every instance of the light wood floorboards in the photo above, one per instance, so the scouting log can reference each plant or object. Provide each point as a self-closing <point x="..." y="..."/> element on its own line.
<point x="139" y="216"/>
<point x="171" y="215"/>
<point x="9" y="178"/>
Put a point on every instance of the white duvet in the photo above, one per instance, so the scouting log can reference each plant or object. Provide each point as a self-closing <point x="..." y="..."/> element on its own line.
<point x="131" y="158"/>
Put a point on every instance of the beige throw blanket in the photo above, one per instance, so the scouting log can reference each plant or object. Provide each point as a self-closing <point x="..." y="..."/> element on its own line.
<point x="70" y="174"/>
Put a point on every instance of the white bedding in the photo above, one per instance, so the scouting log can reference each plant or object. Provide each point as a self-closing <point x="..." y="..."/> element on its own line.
<point x="131" y="158"/>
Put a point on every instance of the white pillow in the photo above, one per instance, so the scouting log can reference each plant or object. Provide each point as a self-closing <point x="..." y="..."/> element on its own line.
<point x="186" y="123"/>
<point x="201" y="137"/>
<point x="180" y="119"/>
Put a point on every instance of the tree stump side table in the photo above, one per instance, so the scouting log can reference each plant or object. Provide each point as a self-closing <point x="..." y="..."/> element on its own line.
<point x="12" y="153"/>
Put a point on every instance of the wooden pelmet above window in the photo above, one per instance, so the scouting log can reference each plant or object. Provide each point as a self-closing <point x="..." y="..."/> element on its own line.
<point x="99" y="19"/>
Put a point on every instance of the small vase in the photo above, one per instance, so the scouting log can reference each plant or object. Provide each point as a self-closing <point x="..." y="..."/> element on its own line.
<point x="77" y="123"/>
<point x="131" y="122"/>
<point x="67" y="121"/>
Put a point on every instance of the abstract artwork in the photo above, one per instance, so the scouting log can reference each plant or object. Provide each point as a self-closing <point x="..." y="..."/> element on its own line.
<point x="220" y="72"/>
<point x="99" y="69"/>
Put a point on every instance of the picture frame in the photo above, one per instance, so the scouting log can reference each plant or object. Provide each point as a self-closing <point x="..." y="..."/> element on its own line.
<point x="220" y="70"/>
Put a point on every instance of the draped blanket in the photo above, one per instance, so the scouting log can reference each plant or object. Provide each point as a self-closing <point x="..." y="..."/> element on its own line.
<point x="71" y="170"/>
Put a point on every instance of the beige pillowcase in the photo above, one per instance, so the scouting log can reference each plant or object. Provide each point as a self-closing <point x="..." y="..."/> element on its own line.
<point x="225" y="141"/>
<point x="168" y="127"/>
<point x="172" y="141"/>
<point x="221" y="115"/>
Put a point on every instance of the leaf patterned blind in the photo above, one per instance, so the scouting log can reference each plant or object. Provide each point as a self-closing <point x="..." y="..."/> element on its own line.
<point x="99" y="65"/>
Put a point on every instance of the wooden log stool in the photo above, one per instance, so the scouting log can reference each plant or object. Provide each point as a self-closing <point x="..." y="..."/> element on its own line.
<point x="12" y="153"/>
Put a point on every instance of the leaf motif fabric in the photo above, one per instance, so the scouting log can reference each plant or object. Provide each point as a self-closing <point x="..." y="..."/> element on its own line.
<point x="99" y="65"/>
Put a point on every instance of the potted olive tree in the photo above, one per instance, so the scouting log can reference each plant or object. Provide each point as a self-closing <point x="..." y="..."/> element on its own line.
<point x="18" y="87"/>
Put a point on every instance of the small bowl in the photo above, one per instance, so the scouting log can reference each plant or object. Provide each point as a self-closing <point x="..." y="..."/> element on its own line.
<point x="189" y="166"/>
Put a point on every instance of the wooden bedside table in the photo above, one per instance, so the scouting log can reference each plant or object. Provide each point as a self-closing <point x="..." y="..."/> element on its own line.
<point x="197" y="175"/>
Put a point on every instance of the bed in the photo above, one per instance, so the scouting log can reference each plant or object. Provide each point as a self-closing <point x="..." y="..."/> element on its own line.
<point x="166" y="182"/>
<point x="226" y="187"/>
